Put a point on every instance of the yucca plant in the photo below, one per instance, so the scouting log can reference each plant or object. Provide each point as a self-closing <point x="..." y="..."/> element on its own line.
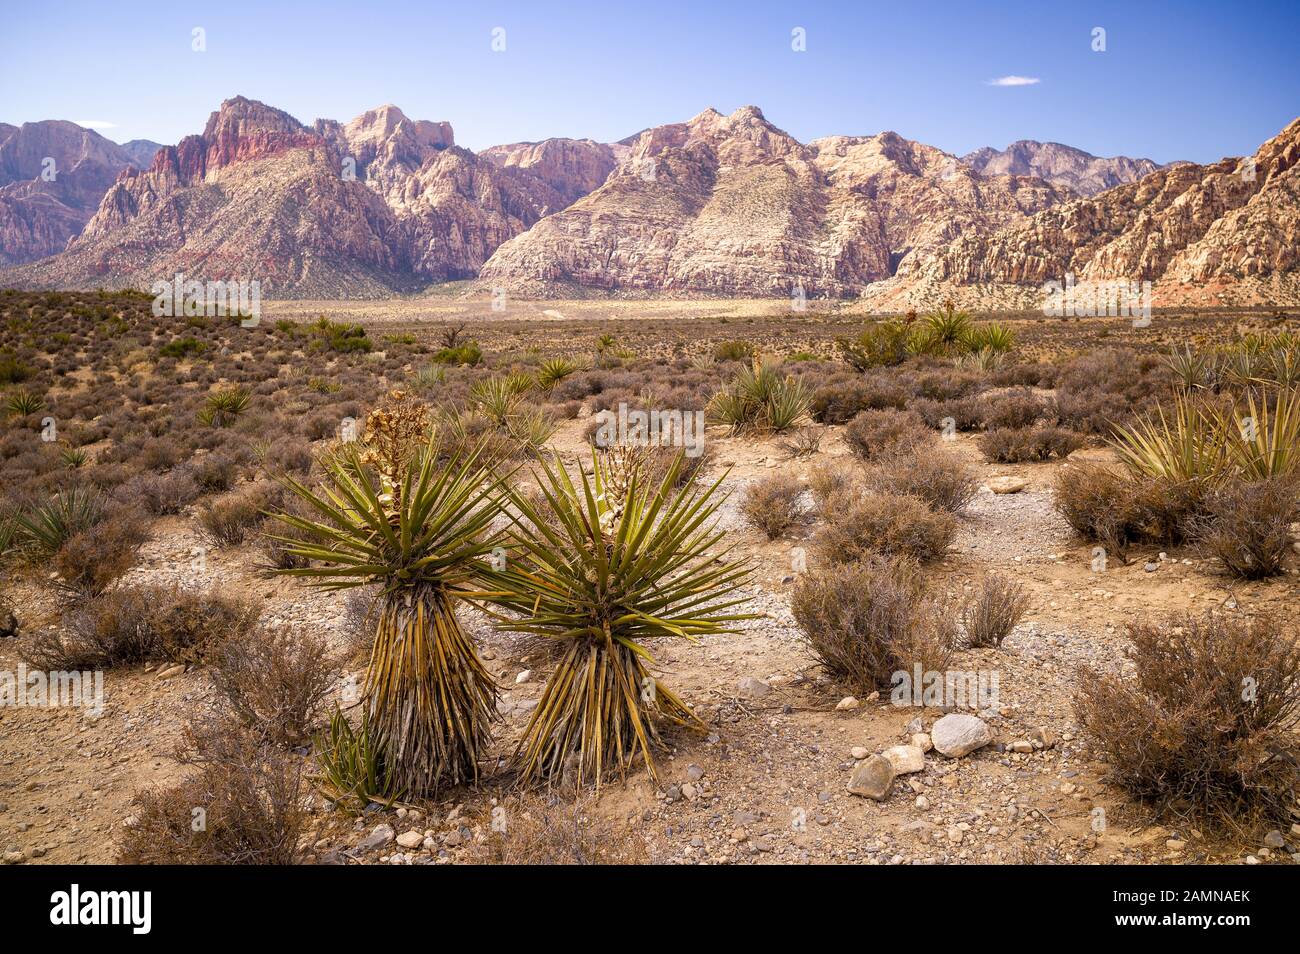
<point x="353" y="770"/>
<point x="394" y="511"/>
<point x="759" y="398"/>
<point x="992" y="336"/>
<point x="222" y="407"/>
<point x="943" y="332"/>
<point x="73" y="457"/>
<point x="496" y="397"/>
<point x="605" y="564"/>
<point x="1266" y="442"/>
<point x="531" y="427"/>
<point x="426" y="379"/>
<point x="50" y="524"/>
<point x="554" y="371"/>
<point x="1192" y="368"/>
<point x="1188" y="444"/>
<point x="23" y="403"/>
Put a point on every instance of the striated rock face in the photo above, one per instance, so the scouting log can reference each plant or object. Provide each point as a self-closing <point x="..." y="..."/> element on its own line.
<point x="1063" y="166"/>
<point x="733" y="205"/>
<point x="1217" y="234"/>
<point x="380" y="204"/>
<point x="39" y="215"/>
<point x="572" y="167"/>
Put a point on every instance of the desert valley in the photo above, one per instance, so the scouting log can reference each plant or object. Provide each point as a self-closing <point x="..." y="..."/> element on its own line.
<point x="708" y="496"/>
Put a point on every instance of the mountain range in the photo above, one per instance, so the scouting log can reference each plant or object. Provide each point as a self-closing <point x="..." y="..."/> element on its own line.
<point x="716" y="205"/>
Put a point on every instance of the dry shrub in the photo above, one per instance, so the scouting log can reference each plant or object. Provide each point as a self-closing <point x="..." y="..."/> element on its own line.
<point x="538" y="833"/>
<point x="273" y="682"/>
<point x="1020" y="445"/>
<point x="994" y="610"/>
<point x="96" y="557"/>
<point x="1013" y="409"/>
<point x="1167" y="511"/>
<point x="1246" y="526"/>
<point x="138" y="624"/>
<point x="875" y="434"/>
<point x="858" y="525"/>
<point x="840" y="402"/>
<point x="963" y="412"/>
<point x="227" y="522"/>
<point x="1091" y="411"/>
<point x="864" y="621"/>
<point x="828" y="480"/>
<point x="161" y="494"/>
<point x="250" y="797"/>
<point x="1206" y="725"/>
<point x="1097" y="503"/>
<point x="941" y="480"/>
<point x="358" y="622"/>
<point x="771" y="504"/>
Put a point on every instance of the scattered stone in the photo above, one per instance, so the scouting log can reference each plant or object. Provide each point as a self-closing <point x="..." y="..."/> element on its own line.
<point x="872" y="778"/>
<point x="957" y="734"/>
<point x="905" y="759"/>
<point x="1274" y="839"/>
<point x="1175" y="844"/>
<point x="411" y="839"/>
<point x="1007" y="484"/>
<point x="170" y="672"/>
<point x="1043" y="737"/>
<point x="754" y="688"/>
<point x="1022" y="746"/>
<point x="14" y="857"/>
<point x="523" y="677"/>
<point x="379" y="836"/>
<point x="848" y="702"/>
<point x="859" y="753"/>
<point x="1151" y="567"/>
<point x="922" y="741"/>
<point x="694" y="773"/>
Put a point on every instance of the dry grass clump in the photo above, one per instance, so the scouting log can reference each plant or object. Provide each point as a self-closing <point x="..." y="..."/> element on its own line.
<point x="838" y="402"/>
<point x="139" y="624"/>
<point x="242" y="807"/>
<point x="866" y="620"/>
<point x="1206" y="724"/>
<point x="993" y="612"/>
<point x="541" y="833"/>
<point x="875" y="434"/>
<point x="858" y="525"/>
<point x="1246" y="526"/>
<point x="772" y="504"/>
<point x="227" y="522"/>
<point x="273" y="682"/>
<point x="1019" y="445"/>
<point x="1097" y="502"/>
<point x="941" y="480"/>
<point x="826" y="480"/>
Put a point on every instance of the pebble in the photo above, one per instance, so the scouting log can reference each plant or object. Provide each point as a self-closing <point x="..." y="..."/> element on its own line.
<point x="848" y="702"/>
<point x="872" y="778"/>
<point x="956" y="735"/>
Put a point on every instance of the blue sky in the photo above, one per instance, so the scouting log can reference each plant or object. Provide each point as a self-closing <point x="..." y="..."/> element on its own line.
<point x="1191" y="80"/>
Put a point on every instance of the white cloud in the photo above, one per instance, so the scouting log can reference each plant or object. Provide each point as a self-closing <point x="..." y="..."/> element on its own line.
<point x="95" y="124"/>
<point x="1014" y="81"/>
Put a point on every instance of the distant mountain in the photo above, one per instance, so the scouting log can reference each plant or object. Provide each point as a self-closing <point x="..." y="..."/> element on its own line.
<point x="380" y="204"/>
<point x="53" y="175"/>
<point x="1062" y="166"/>
<point x="1225" y="233"/>
<point x="734" y="205"/>
<point x="141" y="152"/>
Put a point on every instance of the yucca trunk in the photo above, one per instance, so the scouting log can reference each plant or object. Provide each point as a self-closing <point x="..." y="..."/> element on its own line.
<point x="428" y="694"/>
<point x="596" y="714"/>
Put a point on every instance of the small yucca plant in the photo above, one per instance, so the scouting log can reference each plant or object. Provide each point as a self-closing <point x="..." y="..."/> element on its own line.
<point x="394" y="511"/>
<point x="1190" y="443"/>
<point x="50" y="524"/>
<point x="759" y="398"/>
<point x="73" y="457"/>
<point x="353" y="770"/>
<point x="943" y="332"/>
<point x="23" y="403"/>
<point x="222" y="407"/>
<point x="603" y="565"/>
<point x="1267" y="440"/>
<point x="992" y="336"/>
<point x="496" y="397"/>
<point x="554" y="371"/>
<point x="1192" y="369"/>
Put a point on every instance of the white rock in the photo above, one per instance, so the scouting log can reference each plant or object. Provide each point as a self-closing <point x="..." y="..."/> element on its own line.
<point x="957" y="734"/>
<point x="922" y="741"/>
<point x="410" y="839"/>
<point x="905" y="759"/>
<point x="1007" y="485"/>
<point x="848" y="702"/>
